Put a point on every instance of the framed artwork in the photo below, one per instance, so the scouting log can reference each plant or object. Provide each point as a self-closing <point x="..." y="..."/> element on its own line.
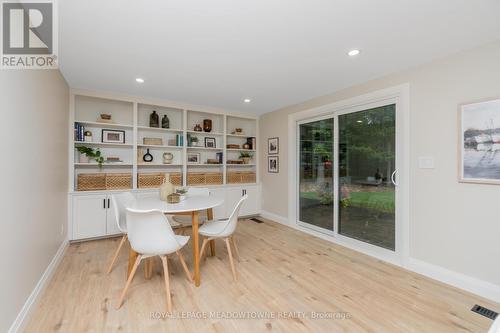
<point x="193" y="158"/>
<point x="112" y="136"/>
<point x="273" y="146"/>
<point x="209" y="142"/>
<point x="479" y="142"/>
<point x="273" y="164"/>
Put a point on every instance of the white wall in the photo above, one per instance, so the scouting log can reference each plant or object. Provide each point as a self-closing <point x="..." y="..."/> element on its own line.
<point x="34" y="148"/>
<point x="453" y="225"/>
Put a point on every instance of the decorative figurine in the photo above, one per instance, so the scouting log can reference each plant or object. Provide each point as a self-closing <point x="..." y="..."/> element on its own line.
<point x="198" y="128"/>
<point x="165" y="122"/>
<point x="154" y="120"/>
<point x="207" y="125"/>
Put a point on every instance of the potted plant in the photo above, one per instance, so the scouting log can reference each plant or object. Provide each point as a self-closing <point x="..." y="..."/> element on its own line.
<point x="246" y="157"/>
<point x="90" y="154"/>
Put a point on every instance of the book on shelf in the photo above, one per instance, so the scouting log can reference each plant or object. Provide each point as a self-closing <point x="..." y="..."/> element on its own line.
<point x="252" y="142"/>
<point x="79" y="132"/>
<point x="179" y="140"/>
<point x="219" y="157"/>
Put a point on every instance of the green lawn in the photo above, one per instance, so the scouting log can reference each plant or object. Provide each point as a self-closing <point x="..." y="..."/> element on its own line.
<point x="383" y="201"/>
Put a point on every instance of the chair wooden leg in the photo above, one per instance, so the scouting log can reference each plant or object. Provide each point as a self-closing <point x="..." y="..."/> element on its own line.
<point x="203" y="248"/>
<point x="130" y="277"/>
<point x="117" y="252"/>
<point x="148" y="268"/>
<point x="167" y="282"/>
<point x="184" y="266"/>
<point x="236" y="251"/>
<point x="233" y="269"/>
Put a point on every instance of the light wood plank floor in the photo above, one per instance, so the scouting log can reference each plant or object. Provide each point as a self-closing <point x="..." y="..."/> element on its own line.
<point x="281" y="270"/>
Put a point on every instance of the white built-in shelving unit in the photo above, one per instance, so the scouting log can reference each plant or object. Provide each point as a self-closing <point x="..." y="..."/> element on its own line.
<point x="131" y="115"/>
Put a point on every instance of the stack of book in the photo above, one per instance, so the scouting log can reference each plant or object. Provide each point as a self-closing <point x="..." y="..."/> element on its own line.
<point x="179" y="140"/>
<point x="79" y="132"/>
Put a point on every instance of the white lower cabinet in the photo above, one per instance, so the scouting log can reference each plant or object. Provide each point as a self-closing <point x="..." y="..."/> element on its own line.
<point x="94" y="216"/>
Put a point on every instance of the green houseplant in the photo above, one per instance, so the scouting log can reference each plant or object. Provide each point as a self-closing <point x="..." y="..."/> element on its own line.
<point x="246" y="157"/>
<point x="92" y="154"/>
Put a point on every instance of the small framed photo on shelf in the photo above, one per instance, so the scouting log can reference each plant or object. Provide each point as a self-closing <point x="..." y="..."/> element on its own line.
<point x="209" y="142"/>
<point x="273" y="146"/>
<point x="273" y="164"/>
<point x="113" y="136"/>
<point x="193" y="158"/>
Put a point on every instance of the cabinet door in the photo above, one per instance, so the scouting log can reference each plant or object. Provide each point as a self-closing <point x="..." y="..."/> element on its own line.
<point x="219" y="211"/>
<point x="233" y="195"/>
<point x="251" y="205"/>
<point x="111" y="227"/>
<point x="89" y="216"/>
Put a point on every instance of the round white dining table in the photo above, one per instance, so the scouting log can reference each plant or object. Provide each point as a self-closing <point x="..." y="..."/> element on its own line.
<point x="189" y="206"/>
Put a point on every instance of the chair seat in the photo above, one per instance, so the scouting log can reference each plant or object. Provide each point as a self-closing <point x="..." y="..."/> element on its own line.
<point x="173" y="223"/>
<point x="186" y="221"/>
<point x="212" y="228"/>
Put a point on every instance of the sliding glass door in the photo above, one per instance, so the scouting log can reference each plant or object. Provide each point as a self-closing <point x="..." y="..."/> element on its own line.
<point x="346" y="174"/>
<point x="367" y="161"/>
<point x="316" y="173"/>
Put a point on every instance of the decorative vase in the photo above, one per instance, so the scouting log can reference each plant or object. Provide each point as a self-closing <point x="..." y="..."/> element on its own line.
<point x="207" y="125"/>
<point x="246" y="160"/>
<point x="167" y="158"/>
<point x="147" y="157"/>
<point x="165" y="122"/>
<point x="198" y="128"/>
<point x="154" y="120"/>
<point x="166" y="188"/>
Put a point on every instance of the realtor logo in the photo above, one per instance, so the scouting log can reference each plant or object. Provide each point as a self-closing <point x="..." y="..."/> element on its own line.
<point x="28" y="35"/>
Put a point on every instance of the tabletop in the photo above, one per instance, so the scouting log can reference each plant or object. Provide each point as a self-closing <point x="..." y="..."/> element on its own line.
<point x="190" y="204"/>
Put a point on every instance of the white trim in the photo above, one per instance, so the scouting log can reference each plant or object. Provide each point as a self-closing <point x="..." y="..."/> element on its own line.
<point x="22" y="318"/>
<point x="398" y="95"/>
<point x="470" y="284"/>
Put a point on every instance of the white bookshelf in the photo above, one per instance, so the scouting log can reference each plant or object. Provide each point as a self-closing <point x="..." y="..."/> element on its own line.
<point x="131" y="115"/>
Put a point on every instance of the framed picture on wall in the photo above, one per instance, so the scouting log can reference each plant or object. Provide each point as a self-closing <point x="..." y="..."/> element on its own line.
<point x="210" y="142"/>
<point x="479" y="142"/>
<point x="113" y="136"/>
<point x="273" y="146"/>
<point x="273" y="164"/>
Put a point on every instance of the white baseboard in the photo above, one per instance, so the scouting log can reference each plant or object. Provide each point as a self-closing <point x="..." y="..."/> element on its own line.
<point x="24" y="315"/>
<point x="473" y="285"/>
<point x="274" y="217"/>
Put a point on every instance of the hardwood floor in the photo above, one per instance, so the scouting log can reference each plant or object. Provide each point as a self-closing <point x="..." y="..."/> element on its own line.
<point x="281" y="271"/>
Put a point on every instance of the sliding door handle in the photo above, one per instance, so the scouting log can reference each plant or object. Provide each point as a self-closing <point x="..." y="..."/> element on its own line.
<point x="393" y="178"/>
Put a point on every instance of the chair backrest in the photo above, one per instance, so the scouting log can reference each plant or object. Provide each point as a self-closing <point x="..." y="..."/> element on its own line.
<point x="122" y="201"/>
<point x="232" y="221"/>
<point x="149" y="232"/>
<point x="198" y="191"/>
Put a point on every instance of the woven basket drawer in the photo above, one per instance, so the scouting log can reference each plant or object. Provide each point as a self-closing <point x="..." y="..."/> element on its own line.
<point x="213" y="178"/>
<point x="204" y="178"/>
<point x="154" y="180"/>
<point x="91" y="182"/>
<point x="248" y="177"/>
<point x="118" y="181"/>
<point x="243" y="177"/>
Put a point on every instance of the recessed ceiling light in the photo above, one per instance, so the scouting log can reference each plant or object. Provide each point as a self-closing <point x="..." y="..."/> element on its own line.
<point x="139" y="80"/>
<point x="353" y="53"/>
<point x="247" y="100"/>
<point x="360" y="121"/>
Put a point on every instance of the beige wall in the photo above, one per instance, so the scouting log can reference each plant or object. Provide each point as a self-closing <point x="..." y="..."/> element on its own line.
<point x="34" y="149"/>
<point x="453" y="225"/>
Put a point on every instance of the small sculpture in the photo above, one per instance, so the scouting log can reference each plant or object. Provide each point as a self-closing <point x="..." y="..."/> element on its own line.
<point x="198" y="128"/>
<point x="147" y="157"/>
<point x="165" y="122"/>
<point x="167" y="158"/>
<point x="154" y="120"/>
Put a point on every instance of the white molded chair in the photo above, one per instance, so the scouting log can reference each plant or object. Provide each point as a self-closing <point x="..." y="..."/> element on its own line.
<point x="150" y="234"/>
<point x="120" y="203"/>
<point x="224" y="229"/>
<point x="185" y="222"/>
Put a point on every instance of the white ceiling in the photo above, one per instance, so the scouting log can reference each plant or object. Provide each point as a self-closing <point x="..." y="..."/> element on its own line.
<point x="276" y="52"/>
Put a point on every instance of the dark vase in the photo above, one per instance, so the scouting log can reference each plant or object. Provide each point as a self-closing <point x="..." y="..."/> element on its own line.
<point x="147" y="157"/>
<point x="165" y="122"/>
<point x="207" y="125"/>
<point x="154" y="120"/>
